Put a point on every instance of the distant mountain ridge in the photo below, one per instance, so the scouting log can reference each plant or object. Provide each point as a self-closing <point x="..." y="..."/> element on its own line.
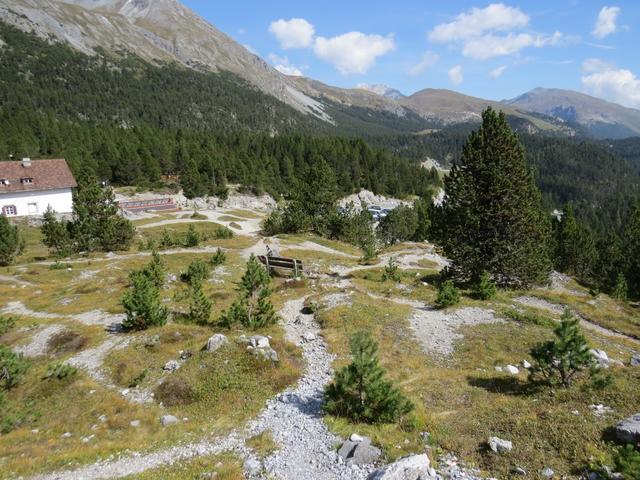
<point x="600" y="118"/>
<point x="167" y="31"/>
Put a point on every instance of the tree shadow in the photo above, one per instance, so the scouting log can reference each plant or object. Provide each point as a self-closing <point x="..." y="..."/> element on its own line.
<point x="506" y="385"/>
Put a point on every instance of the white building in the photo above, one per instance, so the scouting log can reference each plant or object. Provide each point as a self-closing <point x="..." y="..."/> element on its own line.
<point x="29" y="187"/>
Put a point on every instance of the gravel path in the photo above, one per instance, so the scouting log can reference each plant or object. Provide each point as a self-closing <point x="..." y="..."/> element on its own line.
<point x="294" y="418"/>
<point x="91" y="359"/>
<point x="7" y="278"/>
<point x="557" y="309"/>
<point x="93" y="317"/>
<point x="249" y="226"/>
<point x="37" y="345"/>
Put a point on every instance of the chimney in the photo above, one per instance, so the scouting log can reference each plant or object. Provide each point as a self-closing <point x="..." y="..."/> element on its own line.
<point x="26" y="162"/>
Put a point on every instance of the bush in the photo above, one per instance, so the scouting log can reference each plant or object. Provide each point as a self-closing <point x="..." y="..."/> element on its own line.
<point x="6" y="324"/>
<point x="197" y="272"/>
<point x="627" y="462"/>
<point x="60" y="371"/>
<point x="391" y="271"/>
<point x="621" y="289"/>
<point x="360" y="392"/>
<point x="174" y="391"/>
<point x="193" y="238"/>
<point x="448" y="294"/>
<point x="167" y="240"/>
<point x="142" y="304"/>
<point x="398" y="226"/>
<point x="57" y="265"/>
<point x="253" y="309"/>
<point x="199" y="305"/>
<point x="564" y="357"/>
<point x="13" y="366"/>
<point x="484" y="288"/>
<point x="138" y="379"/>
<point x="11" y="242"/>
<point x="528" y="318"/>
<point x="218" y="258"/>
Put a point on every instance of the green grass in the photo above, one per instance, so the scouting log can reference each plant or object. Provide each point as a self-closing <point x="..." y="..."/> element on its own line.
<point x="463" y="401"/>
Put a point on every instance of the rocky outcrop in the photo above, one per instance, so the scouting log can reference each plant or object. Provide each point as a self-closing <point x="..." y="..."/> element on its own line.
<point x="415" y="467"/>
<point x="628" y="430"/>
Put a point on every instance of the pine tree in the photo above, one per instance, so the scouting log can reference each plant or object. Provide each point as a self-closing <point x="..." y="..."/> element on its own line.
<point x="576" y="252"/>
<point x="484" y="289"/>
<point x="491" y="218"/>
<point x="11" y="241"/>
<point x="621" y="290"/>
<point x="631" y="251"/>
<point x="448" y="294"/>
<point x="199" y="305"/>
<point x="253" y="309"/>
<point x="360" y="391"/>
<point x="564" y="357"/>
<point x="55" y="234"/>
<point x="193" y="238"/>
<point x="142" y="304"/>
<point x="96" y="223"/>
<point x="155" y="270"/>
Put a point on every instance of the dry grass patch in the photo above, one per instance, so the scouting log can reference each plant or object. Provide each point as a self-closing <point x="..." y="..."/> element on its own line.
<point x="219" y="467"/>
<point x="262" y="444"/>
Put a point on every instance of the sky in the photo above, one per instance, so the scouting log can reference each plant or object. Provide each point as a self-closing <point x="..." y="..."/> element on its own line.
<point x="488" y="50"/>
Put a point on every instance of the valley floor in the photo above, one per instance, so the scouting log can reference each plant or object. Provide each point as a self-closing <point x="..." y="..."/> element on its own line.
<point x="247" y="417"/>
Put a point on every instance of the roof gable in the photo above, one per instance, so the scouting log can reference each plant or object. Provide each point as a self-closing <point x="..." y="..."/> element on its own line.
<point x="41" y="175"/>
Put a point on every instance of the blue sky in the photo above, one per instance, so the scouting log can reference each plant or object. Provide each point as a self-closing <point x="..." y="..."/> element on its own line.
<point x="489" y="50"/>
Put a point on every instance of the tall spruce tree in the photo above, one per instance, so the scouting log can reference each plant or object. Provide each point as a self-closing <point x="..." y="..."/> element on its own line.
<point x="491" y="218"/>
<point x="11" y="242"/>
<point x="576" y="252"/>
<point x="631" y="251"/>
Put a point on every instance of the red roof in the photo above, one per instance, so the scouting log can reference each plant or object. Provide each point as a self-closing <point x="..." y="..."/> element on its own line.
<point x="40" y="175"/>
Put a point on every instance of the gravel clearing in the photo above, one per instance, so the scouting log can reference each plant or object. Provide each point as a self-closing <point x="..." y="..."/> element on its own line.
<point x="436" y="330"/>
<point x="93" y="317"/>
<point x="37" y="345"/>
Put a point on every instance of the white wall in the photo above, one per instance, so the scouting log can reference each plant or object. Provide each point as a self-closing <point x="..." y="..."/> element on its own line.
<point x="36" y="203"/>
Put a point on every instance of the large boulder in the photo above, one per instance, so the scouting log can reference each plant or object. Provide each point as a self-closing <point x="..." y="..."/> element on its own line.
<point x="628" y="430"/>
<point x="359" y="451"/>
<point x="215" y="342"/>
<point x="600" y="357"/>
<point x="414" y="467"/>
<point x="498" y="445"/>
<point x="258" y="341"/>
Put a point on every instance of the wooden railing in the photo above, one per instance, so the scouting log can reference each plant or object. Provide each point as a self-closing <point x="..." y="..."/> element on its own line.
<point x="151" y="204"/>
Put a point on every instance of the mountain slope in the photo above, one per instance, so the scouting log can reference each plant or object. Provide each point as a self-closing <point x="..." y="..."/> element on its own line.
<point x="600" y="118"/>
<point x="158" y="30"/>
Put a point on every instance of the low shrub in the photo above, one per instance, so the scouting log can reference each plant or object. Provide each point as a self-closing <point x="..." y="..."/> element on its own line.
<point x="60" y="371"/>
<point x="13" y="367"/>
<point x="6" y="324"/>
<point x="484" y="288"/>
<point x="174" y="391"/>
<point x="448" y="294"/>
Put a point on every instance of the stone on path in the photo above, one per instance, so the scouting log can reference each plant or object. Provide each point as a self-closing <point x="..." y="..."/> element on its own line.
<point x="171" y="366"/>
<point x="408" y="468"/>
<point x="359" y="451"/>
<point x="215" y="342"/>
<point x="498" y="445"/>
<point x="547" y="473"/>
<point x="628" y="430"/>
<point x="167" y="420"/>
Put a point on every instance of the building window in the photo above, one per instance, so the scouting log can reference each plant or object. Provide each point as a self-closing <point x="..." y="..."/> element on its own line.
<point x="32" y="208"/>
<point x="9" y="210"/>
<point x="26" y="180"/>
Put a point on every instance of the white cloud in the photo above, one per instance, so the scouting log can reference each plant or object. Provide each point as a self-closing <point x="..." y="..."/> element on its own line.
<point x="489" y="46"/>
<point x="606" y="22"/>
<point x="353" y="52"/>
<point x="497" y="72"/>
<point x="455" y="75"/>
<point x="429" y="59"/>
<point x="477" y="21"/>
<point x="293" y="33"/>
<point x="283" y="65"/>
<point x="611" y="83"/>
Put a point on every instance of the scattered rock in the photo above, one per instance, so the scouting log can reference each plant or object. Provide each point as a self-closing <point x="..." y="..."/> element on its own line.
<point x="499" y="445"/>
<point x="520" y="471"/>
<point x="635" y="361"/>
<point x="153" y="341"/>
<point x="258" y="341"/>
<point x="215" y="342"/>
<point x="359" y="451"/>
<point x="498" y="368"/>
<point x="547" y="473"/>
<point x="135" y="423"/>
<point x="67" y="434"/>
<point x="167" y="420"/>
<point x="267" y="353"/>
<point x="600" y="410"/>
<point x="102" y="418"/>
<point x="526" y="365"/>
<point x="87" y="439"/>
<point x="628" y="430"/>
<point x="171" y="366"/>
<point x="512" y="370"/>
<point x="408" y="468"/>
<point x="601" y="357"/>
<point x="309" y="337"/>
<point x="185" y="355"/>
